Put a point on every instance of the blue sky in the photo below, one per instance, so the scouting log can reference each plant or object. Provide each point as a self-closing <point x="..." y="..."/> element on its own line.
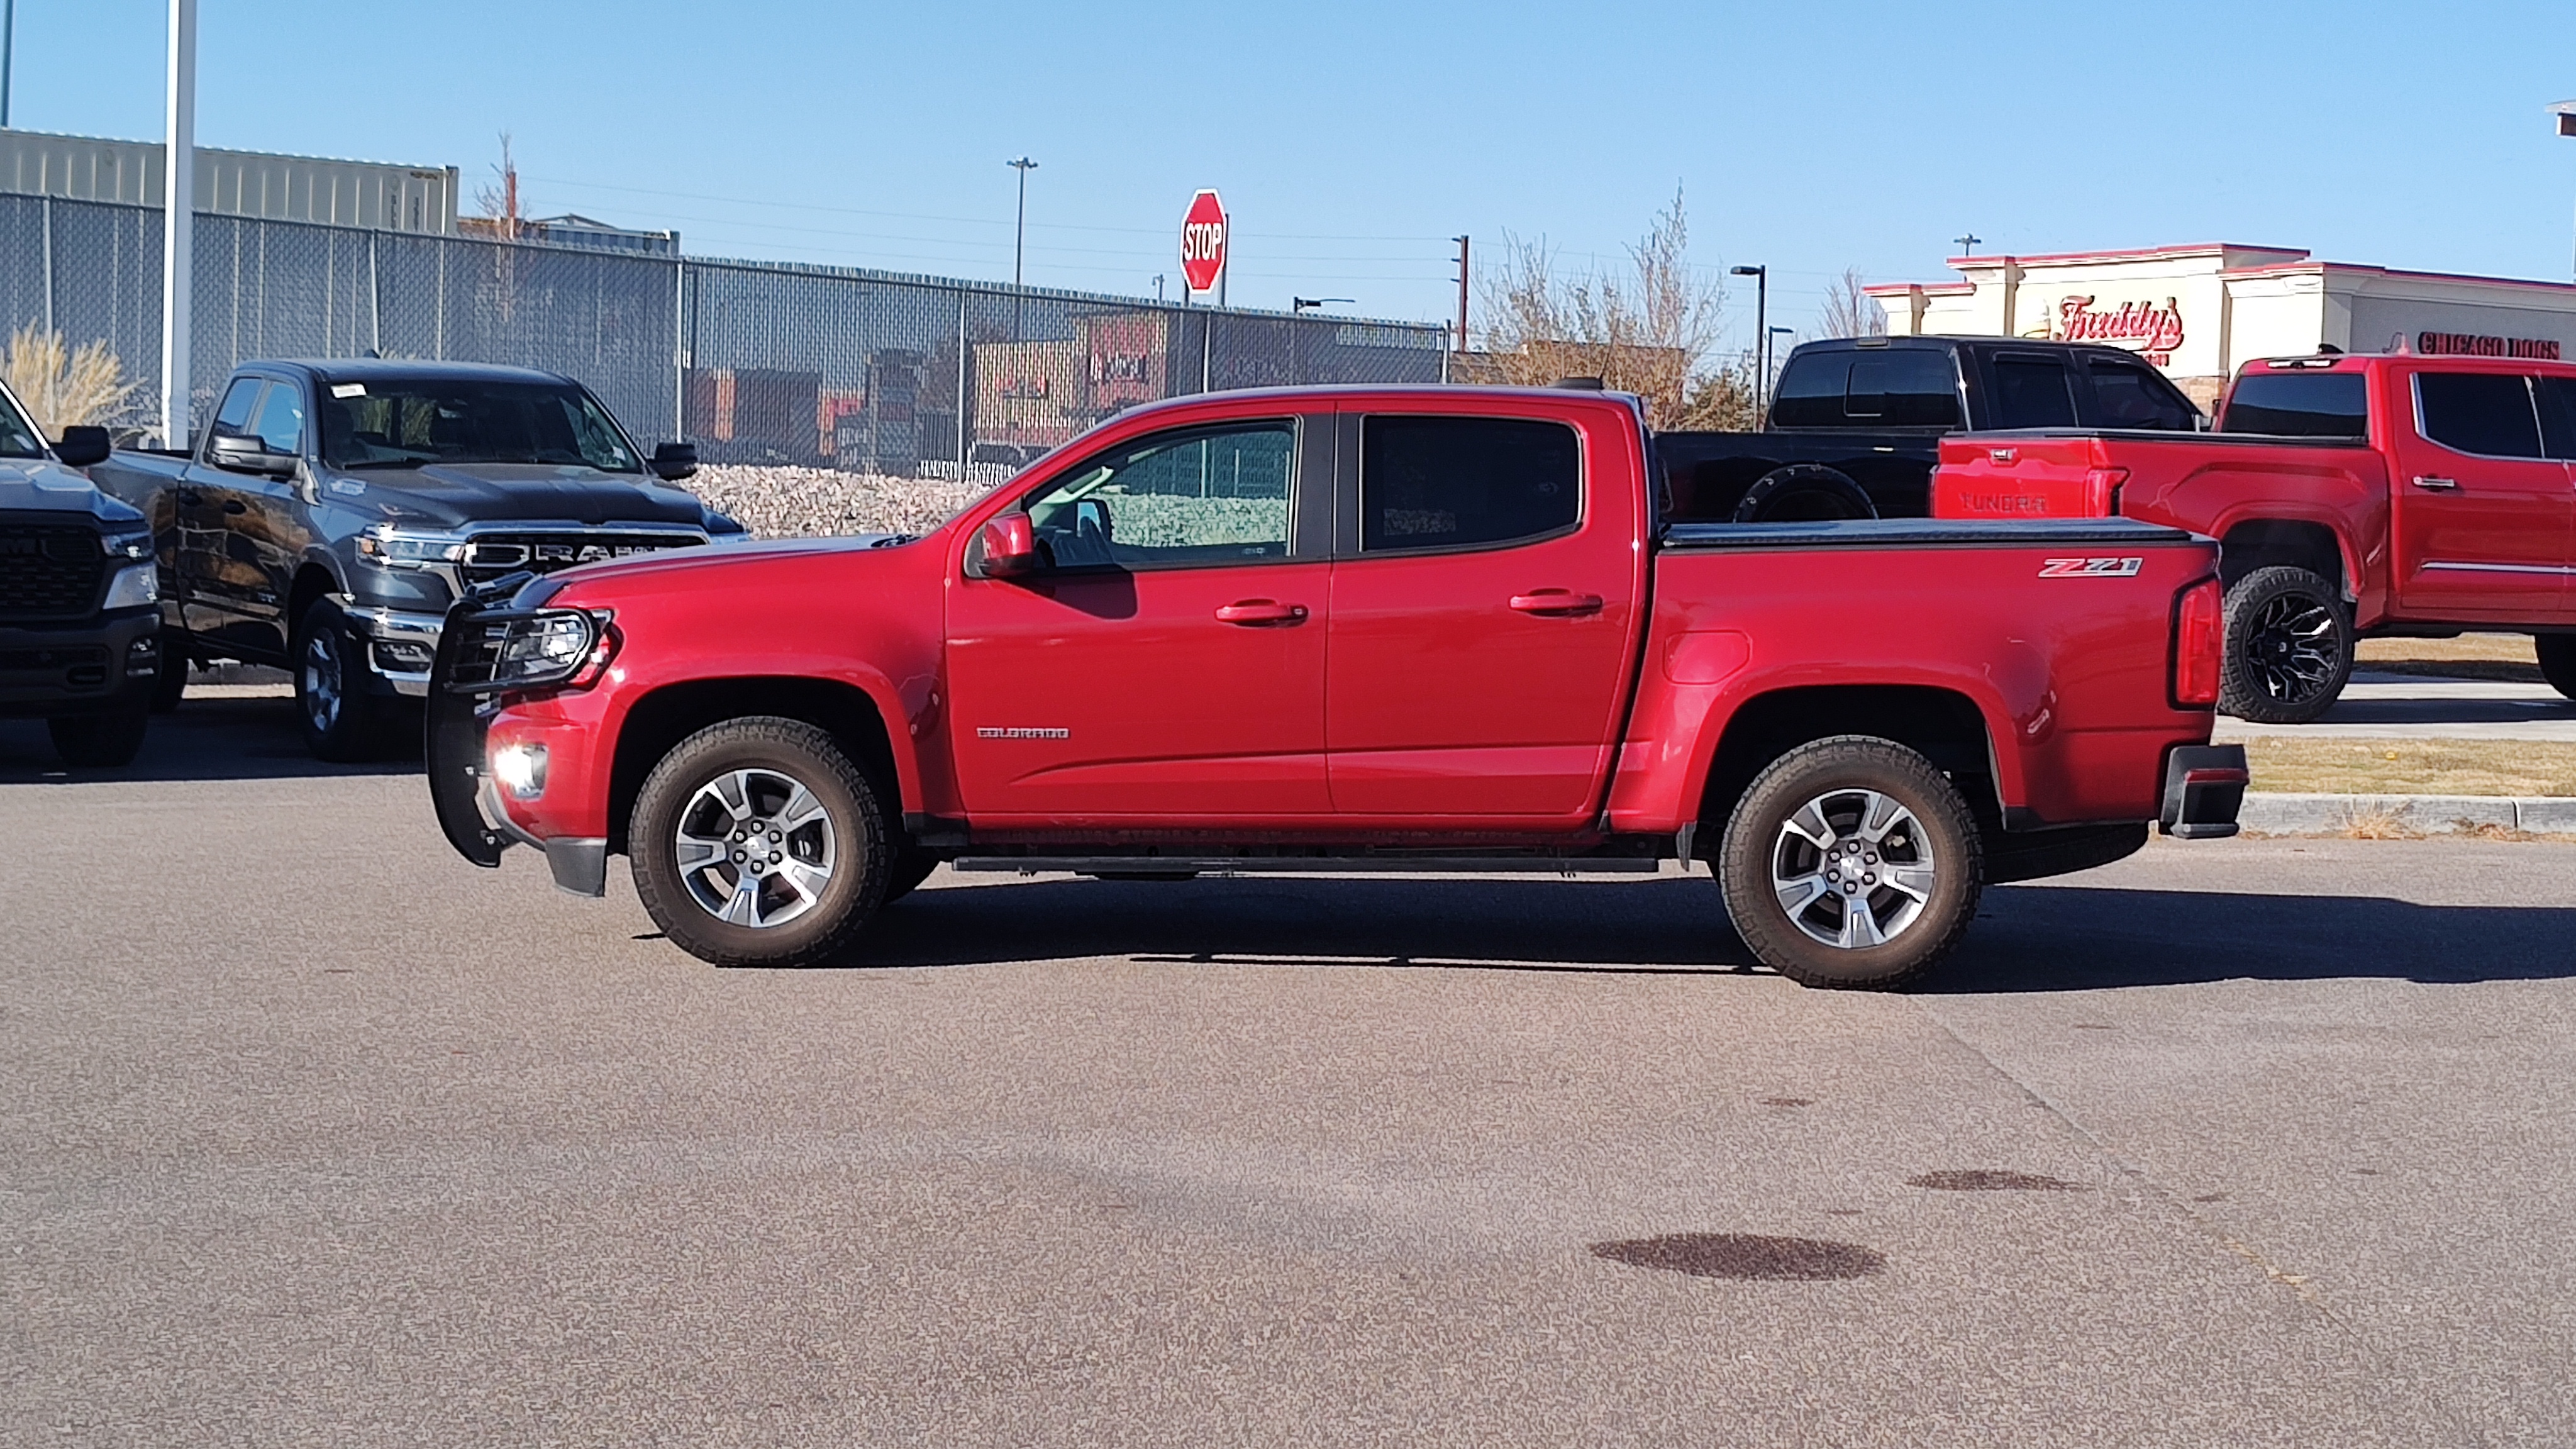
<point x="1351" y="140"/>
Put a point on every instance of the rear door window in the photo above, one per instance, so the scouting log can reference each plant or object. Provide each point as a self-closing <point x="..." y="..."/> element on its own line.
<point x="2031" y="392"/>
<point x="1903" y="388"/>
<point x="1456" y="483"/>
<point x="2486" y="413"/>
<point x="2127" y="395"/>
<point x="2557" y="416"/>
<point x="2299" y="405"/>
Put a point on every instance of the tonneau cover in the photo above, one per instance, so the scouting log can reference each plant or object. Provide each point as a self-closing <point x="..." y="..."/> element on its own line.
<point x="1926" y="533"/>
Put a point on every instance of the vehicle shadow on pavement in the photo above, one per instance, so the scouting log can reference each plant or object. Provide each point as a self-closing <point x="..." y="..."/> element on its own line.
<point x="1663" y="926"/>
<point x="2433" y="710"/>
<point x="252" y="738"/>
<point x="2064" y="938"/>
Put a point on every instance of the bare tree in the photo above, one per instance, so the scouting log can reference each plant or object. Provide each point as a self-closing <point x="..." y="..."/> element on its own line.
<point x="1647" y="330"/>
<point x="500" y="198"/>
<point x="1849" y="310"/>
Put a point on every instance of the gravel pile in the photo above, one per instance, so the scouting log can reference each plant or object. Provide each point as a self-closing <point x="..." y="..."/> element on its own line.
<point x="780" y="502"/>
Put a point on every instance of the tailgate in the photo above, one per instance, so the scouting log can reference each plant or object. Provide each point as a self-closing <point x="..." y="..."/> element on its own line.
<point x="2017" y="475"/>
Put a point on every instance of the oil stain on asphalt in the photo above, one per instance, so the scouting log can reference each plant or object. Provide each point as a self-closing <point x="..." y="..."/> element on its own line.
<point x="1745" y="1256"/>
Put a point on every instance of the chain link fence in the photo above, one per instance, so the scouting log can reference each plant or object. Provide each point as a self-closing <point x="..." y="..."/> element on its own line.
<point x="755" y="362"/>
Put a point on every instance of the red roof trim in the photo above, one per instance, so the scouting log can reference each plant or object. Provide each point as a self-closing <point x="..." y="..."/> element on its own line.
<point x="2123" y="254"/>
<point x="2356" y="268"/>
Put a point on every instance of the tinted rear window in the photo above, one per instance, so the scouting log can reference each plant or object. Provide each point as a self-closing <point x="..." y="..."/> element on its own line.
<point x="2126" y="395"/>
<point x="1811" y="391"/>
<point x="1902" y="387"/>
<point x="2299" y="405"/>
<point x="2479" y="412"/>
<point x="1465" y="482"/>
<point x="2030" y="392"/>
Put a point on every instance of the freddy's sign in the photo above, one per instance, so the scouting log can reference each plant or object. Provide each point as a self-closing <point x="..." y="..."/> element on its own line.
<point x="2153" y="330"/>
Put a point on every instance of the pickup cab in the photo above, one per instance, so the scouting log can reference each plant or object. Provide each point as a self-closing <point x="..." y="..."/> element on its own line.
<point x="332" y="511"/>
<point x="1437" y="629"/>
<point x="2354" y="495"/>
<point x="80" y="618"/>
<point x="1856" y="423"/>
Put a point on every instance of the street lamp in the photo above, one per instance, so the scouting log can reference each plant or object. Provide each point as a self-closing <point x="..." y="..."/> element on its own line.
<point x="1308" y="304"/>
<point x="1768" y="333"/>
<point x="2565" y="112"/>
<point x="1020" y="233"/>
<point x="1761" y="337"/>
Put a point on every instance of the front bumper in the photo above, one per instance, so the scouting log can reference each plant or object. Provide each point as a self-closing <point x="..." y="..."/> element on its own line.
<point x="100" y="666"/>
<point x="2204" y="788"/>
<point x="402" y="645"/>
<point x="467" y="798"/>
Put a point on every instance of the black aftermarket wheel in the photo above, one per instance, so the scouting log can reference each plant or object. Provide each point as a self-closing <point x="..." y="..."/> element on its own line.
<point x="2289" y="647"/>
<point x="757" y="842"/>
<point x="2558" y="661"/>
<point x="1851" y="862"/>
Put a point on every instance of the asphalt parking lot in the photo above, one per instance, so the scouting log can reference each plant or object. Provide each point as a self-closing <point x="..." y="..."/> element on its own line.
<point x="315" y="1134"/>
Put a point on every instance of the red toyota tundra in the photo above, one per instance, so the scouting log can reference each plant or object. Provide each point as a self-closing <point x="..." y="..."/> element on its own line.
<point x="2355" y="495"/>
<point x="1429" y="629"/>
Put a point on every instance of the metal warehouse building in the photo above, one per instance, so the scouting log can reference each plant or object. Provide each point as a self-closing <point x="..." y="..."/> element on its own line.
<point x="235" y="183"/>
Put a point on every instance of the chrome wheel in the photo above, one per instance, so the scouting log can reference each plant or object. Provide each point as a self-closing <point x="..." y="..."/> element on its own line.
<point x="2293" y="646"/>
<point x="322" y="683"/>
<point x="755" y="848"/>
<point x="1852" y="869"/>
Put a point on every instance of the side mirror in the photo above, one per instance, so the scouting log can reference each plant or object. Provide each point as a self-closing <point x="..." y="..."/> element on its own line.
<point x="248" y="455"/>
<point x="674" y="461"/>
<point x="82" y="445"/>
<point x="1009" y="544"/>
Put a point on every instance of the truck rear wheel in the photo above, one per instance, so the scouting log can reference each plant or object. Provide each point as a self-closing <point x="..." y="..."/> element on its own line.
<point x="2289" y="647"/>
<point x="2557" y="661"/>
<point x="1804" y="493"/>
<point x="757" y="842"/>
<point x="1851" y="862"/>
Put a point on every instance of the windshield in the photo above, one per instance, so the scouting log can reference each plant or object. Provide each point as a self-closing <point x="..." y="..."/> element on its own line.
<point x="403" y="424"/>
<point x="17" y="437"/>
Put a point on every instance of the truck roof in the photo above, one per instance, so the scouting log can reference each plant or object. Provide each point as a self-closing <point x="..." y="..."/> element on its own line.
<point x="363" y="369"/>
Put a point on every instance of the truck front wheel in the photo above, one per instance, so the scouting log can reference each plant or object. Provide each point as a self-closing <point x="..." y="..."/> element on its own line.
<point x="2558" y="661"/>
<point x="757" y="842"/>
<point x="2289" y="647"/>
<point x="1851" y="862"/>
<point x="338" y="715"/>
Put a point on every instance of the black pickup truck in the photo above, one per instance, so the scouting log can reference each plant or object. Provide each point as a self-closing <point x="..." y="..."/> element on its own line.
<point x="80" y="617"/>
<point x="1856" y="424"/>
<point x="332" y="511"/>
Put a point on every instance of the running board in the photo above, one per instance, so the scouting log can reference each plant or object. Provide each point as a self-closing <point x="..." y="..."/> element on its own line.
<point x="1175" y="866"/>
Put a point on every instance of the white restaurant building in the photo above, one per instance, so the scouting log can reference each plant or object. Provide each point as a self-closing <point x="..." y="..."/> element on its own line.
<point x="2200" y="311"/>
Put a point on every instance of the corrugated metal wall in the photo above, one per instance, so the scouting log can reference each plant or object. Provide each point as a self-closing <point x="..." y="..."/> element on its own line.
<point x="368" y="194"/>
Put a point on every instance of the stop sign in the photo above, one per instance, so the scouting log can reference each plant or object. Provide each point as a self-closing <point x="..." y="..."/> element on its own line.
<point x="1203" y="242"/>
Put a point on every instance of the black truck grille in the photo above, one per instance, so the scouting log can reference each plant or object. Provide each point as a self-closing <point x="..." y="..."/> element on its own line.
<point x="49" y="570"/>
<point x="494" y="555"/>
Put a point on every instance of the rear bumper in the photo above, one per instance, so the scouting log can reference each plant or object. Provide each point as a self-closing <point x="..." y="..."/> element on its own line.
<point x="98" y="666"/>
<point x="2204" y="788"/>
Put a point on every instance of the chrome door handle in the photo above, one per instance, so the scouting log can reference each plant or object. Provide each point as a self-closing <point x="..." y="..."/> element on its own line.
<point x="1556" y="601"/>
<point x="1261" y="611"/>
<point x="2438" y="485"/>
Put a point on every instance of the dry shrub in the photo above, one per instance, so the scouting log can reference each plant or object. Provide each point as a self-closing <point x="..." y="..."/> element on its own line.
<point x="2374" y="824"/>
<point x="64" y="386"/>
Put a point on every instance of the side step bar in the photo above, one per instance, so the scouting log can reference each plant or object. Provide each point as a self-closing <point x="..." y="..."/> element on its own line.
<point x="1176" y="867"/>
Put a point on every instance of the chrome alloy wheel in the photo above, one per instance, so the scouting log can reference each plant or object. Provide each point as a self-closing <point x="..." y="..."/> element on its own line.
<point x="755" y="848"/>
<point x="322" y="681"/>
<point x="2291" y="645"/>
<point x="1851" y="869"/>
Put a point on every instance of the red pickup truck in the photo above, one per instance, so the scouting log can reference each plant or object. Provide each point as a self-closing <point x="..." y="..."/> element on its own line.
<point x="2353" y="495"/>
<point x="1433" y="629"/>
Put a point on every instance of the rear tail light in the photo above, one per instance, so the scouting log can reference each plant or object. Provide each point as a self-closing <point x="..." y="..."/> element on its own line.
<point x="2102" y="491"/>
<point x="2199" y="636"/>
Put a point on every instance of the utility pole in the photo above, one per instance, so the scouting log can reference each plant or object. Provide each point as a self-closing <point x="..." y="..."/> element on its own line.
<point x="1462" y="291"/>
<point x="1020" y="234"/>
<point x="8" y="39"/>
<point x="1761" y="276"/>
<point x="1968" y="244"/>
<point x="178" y="226"/>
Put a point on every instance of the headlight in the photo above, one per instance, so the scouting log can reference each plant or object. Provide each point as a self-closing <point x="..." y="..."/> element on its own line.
<point x="522" y="769"/>
<point x="549" y="647"/>
<point x="134" y="586"/>
<point x="410" y="548"/>
<point x="136" y="543"/>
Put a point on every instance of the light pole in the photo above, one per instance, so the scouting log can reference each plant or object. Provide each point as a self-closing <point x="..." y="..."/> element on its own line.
<point x="1020" y="233"/>
<point x="2564" y="111"/>
<point x="178" y="222"/>
<point x="8" y="34"/>
<point x="1761" y="338"/>
<point x="1297" y="305"/>
<point x="1769" y="376"/>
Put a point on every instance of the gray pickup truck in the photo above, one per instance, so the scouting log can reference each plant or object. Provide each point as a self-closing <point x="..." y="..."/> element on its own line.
<point x="80" y="617"/>
<point x="333" y="510"/>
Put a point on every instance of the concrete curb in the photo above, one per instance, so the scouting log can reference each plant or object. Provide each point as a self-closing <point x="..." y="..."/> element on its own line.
<point x="2425" y="814"/>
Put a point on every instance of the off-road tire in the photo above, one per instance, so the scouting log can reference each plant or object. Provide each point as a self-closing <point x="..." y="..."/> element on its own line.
<point x="171" y="683"/>
<point x="2557" y="661"/>
<point x="2289" y="647"/>
<point x="865" y="856"/>
<point x="334" y="709"/>
<point x="1832" y="769"/>
<point x="105" y="740"/>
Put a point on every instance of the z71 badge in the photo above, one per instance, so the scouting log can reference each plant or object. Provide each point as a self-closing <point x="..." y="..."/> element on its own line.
<point x="2090" y="568"/>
